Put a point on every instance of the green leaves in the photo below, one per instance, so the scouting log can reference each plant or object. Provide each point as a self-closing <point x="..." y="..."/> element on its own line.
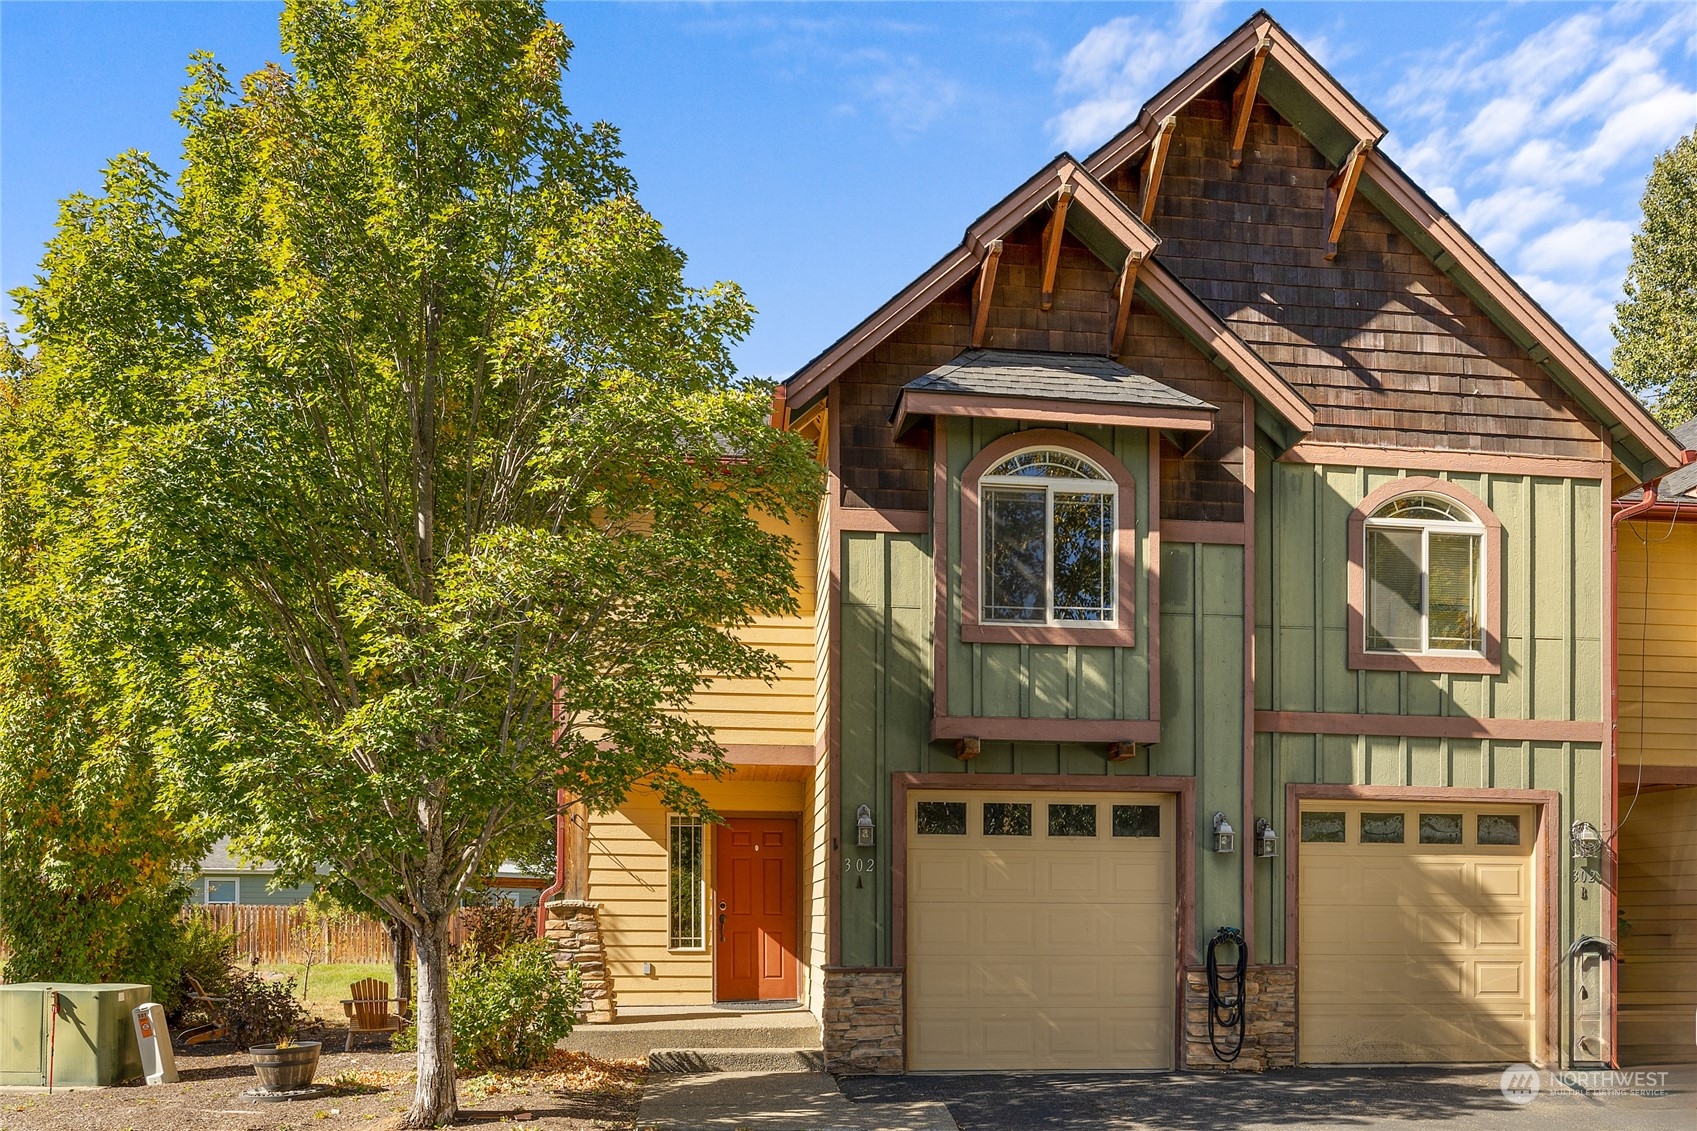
<point x="1656" y="327"/>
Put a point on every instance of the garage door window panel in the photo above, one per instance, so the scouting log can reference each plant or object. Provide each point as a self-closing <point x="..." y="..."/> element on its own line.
<point x="940" y="818"/>
<point x="1499" y="829"/>
<point x="1440" y="828"/>
<point x="1381" y="828"/>
<point x="1072" y="820"/>
<point x="1003" y="818"/>
<point x="1137" y="820"/>
<point x="1323" y="828"/>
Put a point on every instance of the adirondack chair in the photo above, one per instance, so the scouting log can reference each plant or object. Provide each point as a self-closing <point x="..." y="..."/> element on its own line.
<point x="217" y="1026"/>
<point x="368" y="1009"/>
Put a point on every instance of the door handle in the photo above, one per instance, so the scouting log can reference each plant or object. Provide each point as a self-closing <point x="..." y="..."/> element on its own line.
<point x="721" y="926"/>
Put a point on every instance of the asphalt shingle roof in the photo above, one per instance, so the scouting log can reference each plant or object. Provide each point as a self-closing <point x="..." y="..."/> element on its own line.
<point x="1051" y="376"/>
<point x="1682" y="482"/>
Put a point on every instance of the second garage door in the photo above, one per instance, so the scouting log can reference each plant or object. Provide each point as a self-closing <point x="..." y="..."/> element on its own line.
<point x="1040" y="930"/>
<point x="1417" y="931"/>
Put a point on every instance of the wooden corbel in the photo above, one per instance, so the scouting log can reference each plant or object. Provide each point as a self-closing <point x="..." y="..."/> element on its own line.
<point x="1340" y="193"/>
<point x="966" y="749"/>
<point x="1122" y="293"/>
<point x="1155" y="164"/>
<point x="1243" y="98"/>
<point x="1121" y="751"/>
<point x="982" y="293"/>
<point x="1052" y="243"/>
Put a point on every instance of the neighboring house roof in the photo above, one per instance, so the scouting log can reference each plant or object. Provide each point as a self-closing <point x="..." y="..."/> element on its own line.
<point x="1305" y="94"/>
<point x="1102" y="222"/>
<point x="219" y="859"/>
<point x="1676" y="486"/>
<point x="1005" y="383"/>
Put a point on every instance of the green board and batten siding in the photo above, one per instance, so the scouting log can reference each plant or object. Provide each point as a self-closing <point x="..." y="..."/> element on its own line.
<point x="887" y="616"/>
<point x="1552" y="650"/>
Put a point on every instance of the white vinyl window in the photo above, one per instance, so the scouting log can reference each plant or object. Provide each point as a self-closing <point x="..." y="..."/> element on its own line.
<point x="686" y="883"/>
<point x="1047" y="519"/>
<point x="221" y="891"/>
<point x="1425" y="559"/>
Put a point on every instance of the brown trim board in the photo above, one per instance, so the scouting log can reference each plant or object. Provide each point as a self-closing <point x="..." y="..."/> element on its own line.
<point x="1430" y="726"/>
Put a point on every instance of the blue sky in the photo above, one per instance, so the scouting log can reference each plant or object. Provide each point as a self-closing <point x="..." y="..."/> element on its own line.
<point x="822" y="155"/>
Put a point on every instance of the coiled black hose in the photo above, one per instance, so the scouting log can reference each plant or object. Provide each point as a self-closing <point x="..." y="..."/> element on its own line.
<point x="1225" y="994"/>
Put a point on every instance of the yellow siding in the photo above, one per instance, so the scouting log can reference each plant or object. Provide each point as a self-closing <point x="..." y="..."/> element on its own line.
<point x="1658" y="899"/>
<point x="627" y="876"/>
<point x="1658" y="644"/>
<point x="782" y="713"/>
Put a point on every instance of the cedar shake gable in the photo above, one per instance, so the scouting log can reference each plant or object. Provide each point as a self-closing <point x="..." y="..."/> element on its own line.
<point x="1264" y="180"/>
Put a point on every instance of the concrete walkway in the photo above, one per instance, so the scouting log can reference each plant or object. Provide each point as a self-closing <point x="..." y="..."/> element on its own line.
<point x="776" y="1101"/>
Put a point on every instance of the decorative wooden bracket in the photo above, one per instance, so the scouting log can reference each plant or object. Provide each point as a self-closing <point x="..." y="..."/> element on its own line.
<point x="966" y="749"/>
<point x="1155" y="164"/>
<point x="1340" y="193"/>
<point x="1122" y="292"/>
<point x="1243" y="98"/>
<point x="1121" y="751"/>
<point x="982" y="293"/>
<point x="1052" y="243"/>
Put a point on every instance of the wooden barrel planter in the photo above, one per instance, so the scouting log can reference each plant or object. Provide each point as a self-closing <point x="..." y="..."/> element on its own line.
<point x="289" y="1069"/>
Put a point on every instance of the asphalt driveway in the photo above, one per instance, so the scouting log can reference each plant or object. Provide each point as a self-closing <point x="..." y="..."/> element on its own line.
<point x="1280" y="1101"/>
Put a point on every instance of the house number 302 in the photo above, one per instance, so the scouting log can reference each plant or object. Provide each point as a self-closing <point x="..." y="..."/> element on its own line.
<point x="859" y="865"/>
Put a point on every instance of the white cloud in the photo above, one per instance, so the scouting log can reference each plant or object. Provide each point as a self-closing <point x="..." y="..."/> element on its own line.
<point x="1579" y="248"/>
<point x="910" y="96"/>
<point x="1114" y="69"/>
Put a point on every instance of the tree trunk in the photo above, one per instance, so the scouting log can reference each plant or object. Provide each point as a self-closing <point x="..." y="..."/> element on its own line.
<point x="400" y="943"/>
<point x="436" y="1101"/>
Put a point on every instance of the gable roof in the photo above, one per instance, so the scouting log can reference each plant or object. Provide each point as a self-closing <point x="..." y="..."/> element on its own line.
<point x="1306" y="95"/>
<point x="1289" y="412"/>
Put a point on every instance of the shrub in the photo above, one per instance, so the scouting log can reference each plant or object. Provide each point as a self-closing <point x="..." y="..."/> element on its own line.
<point x="492" y="923"/>
<point x="509" y="1010"/>
<point x="263" y="1011"/>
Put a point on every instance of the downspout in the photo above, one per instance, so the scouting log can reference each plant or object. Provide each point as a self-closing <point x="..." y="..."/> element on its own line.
<point x="562" y="829"/>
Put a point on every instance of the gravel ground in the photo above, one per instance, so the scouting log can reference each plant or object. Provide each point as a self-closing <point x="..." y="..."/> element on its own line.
<point x="366" y="1088"/>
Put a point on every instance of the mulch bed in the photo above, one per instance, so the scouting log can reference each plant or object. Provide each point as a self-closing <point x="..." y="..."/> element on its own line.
<point x="368" y="1088"/>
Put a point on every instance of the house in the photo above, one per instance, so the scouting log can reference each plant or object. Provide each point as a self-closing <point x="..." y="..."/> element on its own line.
<point x="1655" y="843"/>
<point x="225" y="878"/>
<point x="1216" y="538"/>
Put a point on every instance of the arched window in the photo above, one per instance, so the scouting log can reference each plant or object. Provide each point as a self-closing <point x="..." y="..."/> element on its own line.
<point x="1048" y="525"/>
<point x="1425" y="574"/>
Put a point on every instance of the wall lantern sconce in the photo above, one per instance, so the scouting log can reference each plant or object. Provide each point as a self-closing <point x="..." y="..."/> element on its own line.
<point x="1266" y="840"/>
<point x="1587" y="845"/>
<point x="1225" y="838"/>
<point x="863" y="827"/>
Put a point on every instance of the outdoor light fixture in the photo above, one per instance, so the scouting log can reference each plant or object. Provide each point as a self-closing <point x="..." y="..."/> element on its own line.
<point x="1225" y="839"/>
<point x="1587" y="845"/>
<point x="863" y="826"/>
<point x="1266" y="840"/>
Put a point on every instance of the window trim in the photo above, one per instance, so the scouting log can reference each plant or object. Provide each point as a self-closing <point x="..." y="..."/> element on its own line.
<point x="675" y="821"/>
<point x="1488" y="660"/>
<point x="206" y="883"/>
<point x="1121" y="632"/>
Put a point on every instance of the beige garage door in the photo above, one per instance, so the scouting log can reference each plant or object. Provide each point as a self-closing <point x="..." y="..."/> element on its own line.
<point x="1040" y="930"/>
<point x="1418" y="928"/>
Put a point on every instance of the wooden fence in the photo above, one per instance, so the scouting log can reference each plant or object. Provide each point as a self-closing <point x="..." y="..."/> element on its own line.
<point x="267" y="934"/>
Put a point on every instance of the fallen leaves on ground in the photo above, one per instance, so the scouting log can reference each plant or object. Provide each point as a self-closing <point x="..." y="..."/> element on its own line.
<point x="573" y="1073"/>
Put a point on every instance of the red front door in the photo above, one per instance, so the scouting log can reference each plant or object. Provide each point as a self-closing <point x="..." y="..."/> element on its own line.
<point x="755" y="910"/>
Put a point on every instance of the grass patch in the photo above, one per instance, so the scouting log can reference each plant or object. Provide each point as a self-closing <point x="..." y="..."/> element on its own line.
<point x="330" y="981"/>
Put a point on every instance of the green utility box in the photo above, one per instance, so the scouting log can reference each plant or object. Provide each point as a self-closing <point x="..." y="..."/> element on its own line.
<point x="93" y="1043"/>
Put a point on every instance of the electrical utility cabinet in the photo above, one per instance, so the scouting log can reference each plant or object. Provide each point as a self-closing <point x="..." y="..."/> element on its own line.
<point x="93" y="1043"/>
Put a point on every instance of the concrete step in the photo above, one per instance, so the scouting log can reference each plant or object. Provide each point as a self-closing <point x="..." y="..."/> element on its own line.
<point x="637" y="1034"/>
<point x="686" y="1062"/>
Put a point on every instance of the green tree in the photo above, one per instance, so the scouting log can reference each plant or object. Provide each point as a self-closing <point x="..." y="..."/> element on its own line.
<point x="427" y="479"/>
<point x="1656" y="327"/>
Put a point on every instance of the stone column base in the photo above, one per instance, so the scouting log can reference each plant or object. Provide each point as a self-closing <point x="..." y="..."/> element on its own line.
<point x="863" y="1029"/>
<point x="574" y="926"/>
<point x="1269" y="1040"/>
